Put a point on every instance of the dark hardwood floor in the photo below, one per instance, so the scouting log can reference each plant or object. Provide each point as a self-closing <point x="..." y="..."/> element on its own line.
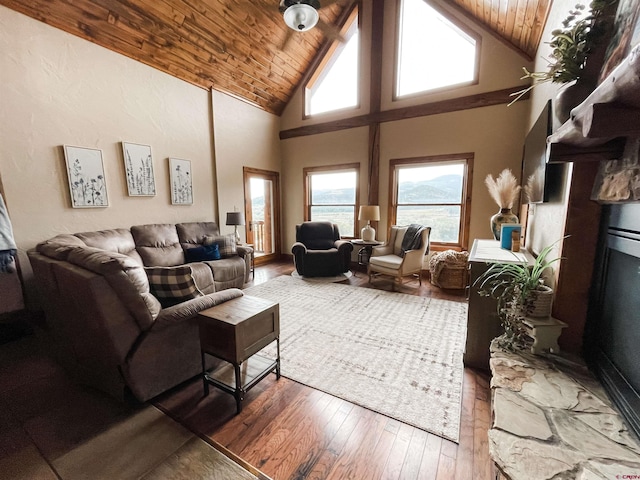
<point x="290" y="431"/>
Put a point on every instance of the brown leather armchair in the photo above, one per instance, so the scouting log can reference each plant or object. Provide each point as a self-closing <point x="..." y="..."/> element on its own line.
<point x="319" y="252"/>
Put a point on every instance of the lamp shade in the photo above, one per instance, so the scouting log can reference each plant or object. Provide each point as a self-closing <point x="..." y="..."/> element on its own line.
<point x="369" y="213"/>
<point x="235" y="218"/>
<point x="301" y="17"/>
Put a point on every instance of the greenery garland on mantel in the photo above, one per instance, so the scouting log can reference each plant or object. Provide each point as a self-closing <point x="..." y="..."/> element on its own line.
<point x="572" y="45"/>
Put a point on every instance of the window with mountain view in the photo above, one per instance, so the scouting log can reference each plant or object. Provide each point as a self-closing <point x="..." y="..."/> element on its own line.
<point x="433" y="52"/>
<point x="334" y="85"/>
<point x="433" y="192"/>
<point x="332" y="195"/>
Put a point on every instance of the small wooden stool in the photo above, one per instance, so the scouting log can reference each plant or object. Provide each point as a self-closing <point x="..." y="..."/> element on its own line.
<point x="544" y="332"/>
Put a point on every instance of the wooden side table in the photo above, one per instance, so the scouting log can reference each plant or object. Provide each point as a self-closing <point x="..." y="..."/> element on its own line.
<point x="235" y="331"/>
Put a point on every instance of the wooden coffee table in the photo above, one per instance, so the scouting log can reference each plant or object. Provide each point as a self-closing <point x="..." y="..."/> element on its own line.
<point x="235" y="331"/>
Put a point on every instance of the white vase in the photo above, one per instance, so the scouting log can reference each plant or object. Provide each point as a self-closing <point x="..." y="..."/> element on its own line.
<point x="539" y="302"/>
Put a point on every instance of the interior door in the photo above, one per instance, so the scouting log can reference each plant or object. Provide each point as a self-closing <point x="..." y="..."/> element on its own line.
<point x="262" y="213"/>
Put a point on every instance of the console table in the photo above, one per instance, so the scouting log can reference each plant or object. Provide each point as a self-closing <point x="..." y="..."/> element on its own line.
<point x="483" y="324"/>
<point x="235" y="331"/>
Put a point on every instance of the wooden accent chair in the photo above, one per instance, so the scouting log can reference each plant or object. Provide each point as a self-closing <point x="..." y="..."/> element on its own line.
<point x="388" y="259"/>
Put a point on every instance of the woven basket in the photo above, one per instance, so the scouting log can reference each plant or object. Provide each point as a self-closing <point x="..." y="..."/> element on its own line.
<point x="453" y="277"/>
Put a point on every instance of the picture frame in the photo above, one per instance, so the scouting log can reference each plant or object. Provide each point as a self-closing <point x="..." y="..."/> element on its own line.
<point x="181" y="181"/>
<point x="138" y="166"/>
<point x="87" y="182"/>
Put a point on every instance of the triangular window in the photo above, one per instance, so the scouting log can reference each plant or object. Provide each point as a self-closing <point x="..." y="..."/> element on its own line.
<point x="334" y="85"/>
<point x="433" y="52"/>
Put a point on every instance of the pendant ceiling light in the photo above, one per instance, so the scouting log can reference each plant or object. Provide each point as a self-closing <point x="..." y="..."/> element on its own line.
<point x="301" y="17"/>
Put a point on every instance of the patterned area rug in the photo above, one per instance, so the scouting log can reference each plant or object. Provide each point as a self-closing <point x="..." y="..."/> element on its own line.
<point x="396" y="354"/>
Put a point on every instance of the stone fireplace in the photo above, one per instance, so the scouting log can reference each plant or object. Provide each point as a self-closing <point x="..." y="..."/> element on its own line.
<point x="612" y="336"/>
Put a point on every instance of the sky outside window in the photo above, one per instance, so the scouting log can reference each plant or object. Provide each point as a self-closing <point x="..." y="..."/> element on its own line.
<point x="433" y="51"/>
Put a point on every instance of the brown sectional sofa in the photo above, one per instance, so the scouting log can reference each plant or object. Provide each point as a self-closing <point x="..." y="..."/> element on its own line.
<point x="107" y="326"/>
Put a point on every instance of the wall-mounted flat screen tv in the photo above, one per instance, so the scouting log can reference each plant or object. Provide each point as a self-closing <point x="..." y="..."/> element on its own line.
<point x="541" y="181"/>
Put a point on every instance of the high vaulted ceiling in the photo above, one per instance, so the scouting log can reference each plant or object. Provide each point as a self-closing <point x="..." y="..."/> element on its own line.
<point x="235" y="46"/>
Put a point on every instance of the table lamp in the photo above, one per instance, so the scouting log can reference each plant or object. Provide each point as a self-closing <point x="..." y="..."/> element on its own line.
<point x="235" y="219"/>
<point x="369" y="213"/>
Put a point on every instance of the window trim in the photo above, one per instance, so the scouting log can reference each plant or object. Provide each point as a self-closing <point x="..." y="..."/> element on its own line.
<point x="306" y="174"/>
<point x="465" y="206"/>
<point x="328" y="59"/>
<point x="467" y="31"/>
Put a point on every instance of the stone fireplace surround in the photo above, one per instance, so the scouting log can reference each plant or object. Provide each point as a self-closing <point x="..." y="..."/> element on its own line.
<point x="553" y="420"/>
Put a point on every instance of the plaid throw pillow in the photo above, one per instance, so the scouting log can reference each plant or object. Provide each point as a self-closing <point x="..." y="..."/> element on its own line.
<point x="172" y="285"/>
<point x="226" y="244"/>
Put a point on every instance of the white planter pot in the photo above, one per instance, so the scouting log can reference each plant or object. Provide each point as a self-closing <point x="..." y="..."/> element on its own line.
<point x="539" y="302"/>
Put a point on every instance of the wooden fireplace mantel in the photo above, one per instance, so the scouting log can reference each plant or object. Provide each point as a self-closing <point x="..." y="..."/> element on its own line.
<point x="599" y="126"/>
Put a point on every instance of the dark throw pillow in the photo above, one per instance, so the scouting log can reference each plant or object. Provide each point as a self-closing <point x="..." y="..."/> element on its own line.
<point x="202" y="253"/>
<point x="226" y="244"/>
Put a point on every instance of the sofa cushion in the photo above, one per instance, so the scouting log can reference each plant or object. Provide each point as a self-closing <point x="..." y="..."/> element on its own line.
<point x="59" y="246"/>
<point x="173" y="285"/>
<point x="202" y="253"/>
<point x="122" y="273"/>
<point x="158" y="245"/>
<point x="193" y="233"/>
<point x="118" y="240"/>
<point x="226" y="244"/>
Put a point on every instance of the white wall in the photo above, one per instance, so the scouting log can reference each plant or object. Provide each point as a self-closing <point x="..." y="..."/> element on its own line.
<point x="547" y="221"/>
<point x="58" y="89"/>
<point x="244" y="136"/>
<point x="494" y="134"/>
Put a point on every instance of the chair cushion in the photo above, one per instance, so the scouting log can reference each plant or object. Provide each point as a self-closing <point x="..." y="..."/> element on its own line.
<point x="397" y="244"/>
<point x="387" y="261"/>
<point x="202" y="253"/>
<point x="226" y="244"/>
<point x="172" y="285"/>
<point x="317" y="235"/>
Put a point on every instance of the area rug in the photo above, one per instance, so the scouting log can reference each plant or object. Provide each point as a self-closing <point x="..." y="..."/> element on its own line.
<point x="397" y="354"/>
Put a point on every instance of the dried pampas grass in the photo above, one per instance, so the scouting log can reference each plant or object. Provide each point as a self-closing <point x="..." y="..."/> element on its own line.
<point x="504" y="189"/>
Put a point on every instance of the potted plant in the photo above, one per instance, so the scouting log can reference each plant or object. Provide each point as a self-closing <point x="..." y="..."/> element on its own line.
<point x="571" y="45"/>
<point x="520" y="291"/>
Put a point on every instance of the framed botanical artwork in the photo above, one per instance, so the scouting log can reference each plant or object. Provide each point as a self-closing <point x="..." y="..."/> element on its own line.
<point x="138" y="167"/>
<point x="181" y="184"/>
<point x="85" y="171"/>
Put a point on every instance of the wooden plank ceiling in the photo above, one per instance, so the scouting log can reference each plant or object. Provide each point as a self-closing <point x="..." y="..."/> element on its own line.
<point x="235" y="46"/>
<point x="519" y="22"/>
